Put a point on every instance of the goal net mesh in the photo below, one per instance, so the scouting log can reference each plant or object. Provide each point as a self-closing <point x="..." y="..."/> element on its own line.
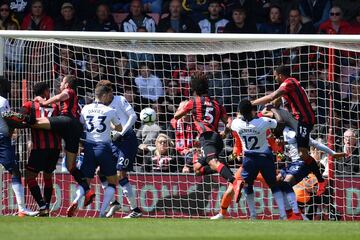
<point x="156" y="74"/>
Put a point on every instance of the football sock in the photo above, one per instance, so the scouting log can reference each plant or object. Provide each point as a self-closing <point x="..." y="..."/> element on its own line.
<point x="225" y="202"/>
<point x="290" y="196"/>
<point x="18" y="189"/>
<point x="225" y="172"/>
<point x="35" y="191"/>
<point x="287" y="204"/>
<point x="250" y="200"/>
<point x="48" y="191"/>
<point x="104" y="182"/>
<point x="79" y="178"/>
<point x="314" y="168"/>
<point x="108" y="195"/>
<point x="128" y="192"/>
<point x="79" y="193"/>
<point x="279" y="201"/>
<point x="206" y="170"/>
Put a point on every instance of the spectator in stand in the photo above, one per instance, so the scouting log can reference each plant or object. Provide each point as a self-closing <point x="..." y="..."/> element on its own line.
<point x="275" y="24"/>
<point x="135" y="58"/>
<point x="184" y="135"/>
<point x="37" y="19"/>
<point x="150" y="86"/>
<point x="163" y="159"/>
<point x="137" y="18"/>
<point x="172" y="99"/>
<point x="351" y="162"/>
<point x="253" y="91"/>
<point x="195" y="9"/>
<point x="7" y="18"/>
<point x="295" y="24"/>
<point x="316" y="11"/>
<point x="355" y="23"/>
<point x="214" y="23"/>
<point x="219" y="85"/>
<point x="239" y="23"/>
<point x="20" y="8"/>
<point x="351" y="105"/>
<point x="349" y="8"/>
<point x="68" y="20"/>
<point x="256" y="10"/>
<point x="183" y="74"/>
<point x="335" y="24"/>
<point x="177" y="21"/>
<point x="122" y="75"/>
<point x="103" y="22"/>
<point x="152" y="6"/>
<point x="317" y="103"/>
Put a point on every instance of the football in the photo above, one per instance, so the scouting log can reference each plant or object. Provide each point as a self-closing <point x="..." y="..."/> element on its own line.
<point x="148" y="116"/>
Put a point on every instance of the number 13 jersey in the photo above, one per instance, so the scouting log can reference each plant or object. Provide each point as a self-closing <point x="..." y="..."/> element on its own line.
<point x="97" y="118"/>
<point x="253" y="133"/>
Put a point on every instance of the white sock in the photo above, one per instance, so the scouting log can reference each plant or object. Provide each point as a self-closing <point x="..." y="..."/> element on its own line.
<point x="108" y="195"/>
<point x="291" y="197"/>
<point x="129" y="194"/>
<point x="287" y="205"/>
<point x="280" y="202"/>
<point x="250" y="200"/>
<point x="79" y="193"/>
<point x="18" y="189"/>
<point x="104" y="184"/>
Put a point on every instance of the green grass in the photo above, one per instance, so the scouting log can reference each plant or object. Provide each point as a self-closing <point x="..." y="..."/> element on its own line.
<point x="13" y="228"/>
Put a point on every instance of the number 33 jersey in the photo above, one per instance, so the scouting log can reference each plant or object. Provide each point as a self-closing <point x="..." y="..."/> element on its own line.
<point x="253" y="133"/>
<point x="97" y="119"/>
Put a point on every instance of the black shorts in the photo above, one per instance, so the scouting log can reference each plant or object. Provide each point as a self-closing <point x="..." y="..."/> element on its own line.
<point x="303" y="135"/>
<point x="211" y="145"/>
<point x="70" y="129"/>
<point x="43" y="160"/>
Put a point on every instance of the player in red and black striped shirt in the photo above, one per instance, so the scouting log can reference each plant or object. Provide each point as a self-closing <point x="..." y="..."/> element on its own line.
<point x="206" y="113"/>
<point x="291" y="90"/>
<point x="68" y="126"/>
<point x="45" y="151"/>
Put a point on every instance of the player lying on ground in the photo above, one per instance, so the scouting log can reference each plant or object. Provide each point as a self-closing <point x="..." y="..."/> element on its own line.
<point x="295" y="95"/>
<point x="97" y="119"/>
<point x="124" y="147"/>
<point x="257" y="154"/>
<point x="206" y="113"/>
<point x="68" y="126"/>
<point x="45" y="149"/>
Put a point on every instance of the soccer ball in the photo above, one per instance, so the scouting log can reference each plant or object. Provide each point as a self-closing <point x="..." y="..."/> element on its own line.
<point x="148" y="116"/>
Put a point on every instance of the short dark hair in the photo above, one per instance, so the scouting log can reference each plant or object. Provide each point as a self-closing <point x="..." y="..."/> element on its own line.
<point x="39" y="88"/>
<point x="245" y="108"/>
<point x="100" y="90"/>
<point x="199" y="83"/>
<point x="283" y="70"/>
<point x="105" y="83"/>
<point x="215" y="1"/>
<point x="71" y="80"/>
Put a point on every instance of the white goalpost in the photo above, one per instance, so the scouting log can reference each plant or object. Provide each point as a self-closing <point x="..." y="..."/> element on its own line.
<point x="153" y="70"/>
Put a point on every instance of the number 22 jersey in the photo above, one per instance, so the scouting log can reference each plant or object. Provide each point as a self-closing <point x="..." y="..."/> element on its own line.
<point x="253" y="133"/>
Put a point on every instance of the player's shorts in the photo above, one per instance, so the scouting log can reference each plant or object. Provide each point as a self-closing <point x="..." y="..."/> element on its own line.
<point x="124" y="151"/>
<point x="98" y="154"/>
<point x="298" y="169"/>
<point x="70" y="129"/>
<point x="43" y="160"/>
<point x="7" y="154"/>
<point x="254" y="162"/>
<point x="211" y="145"/>
<point x="303" y="135"/>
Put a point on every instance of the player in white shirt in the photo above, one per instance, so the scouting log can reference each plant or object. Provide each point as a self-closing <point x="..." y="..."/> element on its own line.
<point x="125" y="146"/>
<point x="297" y="170"/>
<point x="257" y="154"/>
<point x="7" y="156"/>
<point x="98" y="119"/>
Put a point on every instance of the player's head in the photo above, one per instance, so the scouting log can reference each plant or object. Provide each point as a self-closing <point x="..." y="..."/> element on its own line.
<point x="246" y="109"/>
<point x="69" y="81"/>
<point x="108" y="84"/>
<point x="42" y="89"/>
<point x="281" y="73"/>
<point x="102" y="93"/>
<point x="199" y="83"/>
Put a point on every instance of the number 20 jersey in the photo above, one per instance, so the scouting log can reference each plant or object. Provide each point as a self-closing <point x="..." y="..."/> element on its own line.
<point x="98" y="118"/>
<point x="253" y="133"/>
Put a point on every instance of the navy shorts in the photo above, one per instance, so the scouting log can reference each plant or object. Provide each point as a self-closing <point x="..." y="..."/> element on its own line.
<point x="303" y="135"/>
<point x="7" y="154"/>
<point x="298" y="169"/>
<point x="124" y="151"/>
<point x="253" y="163"/>
<point x="43" y="160"/>
<point x="98" y="154"/>
<point x="211" y="146"/>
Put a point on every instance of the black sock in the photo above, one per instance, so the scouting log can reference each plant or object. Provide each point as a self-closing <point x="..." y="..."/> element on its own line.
<point x="36" y="193"/>
<point x="226" y="173"/>
<point x="314" y="168"/>
<point x="80" y="179"/>
<point x="207" y="170"/>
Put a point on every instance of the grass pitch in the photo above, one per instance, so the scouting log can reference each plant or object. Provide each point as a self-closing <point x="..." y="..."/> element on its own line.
<point x="13" y="228"/>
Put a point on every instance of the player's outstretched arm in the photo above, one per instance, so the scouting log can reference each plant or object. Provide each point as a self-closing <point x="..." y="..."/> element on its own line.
<point x="183" y="109"/>
<point x="268" y="98"/>
<point x="326" y="149"/>
<point x="55" y="99"/>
